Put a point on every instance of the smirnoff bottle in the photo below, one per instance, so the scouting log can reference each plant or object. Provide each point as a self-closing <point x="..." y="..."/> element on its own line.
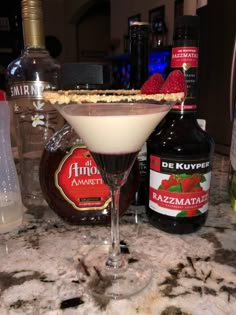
<point x="179" y="151"/>
<point x="35" y="120"/>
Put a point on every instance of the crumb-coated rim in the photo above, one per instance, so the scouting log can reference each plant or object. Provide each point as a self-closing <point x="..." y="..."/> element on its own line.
<point x="107" y="96"/>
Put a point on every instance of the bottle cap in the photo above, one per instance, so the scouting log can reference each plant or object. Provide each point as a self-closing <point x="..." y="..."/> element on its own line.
<point x="3" y="95"/>
<point x="33" y="28"/>
<point x="139" y="30"/>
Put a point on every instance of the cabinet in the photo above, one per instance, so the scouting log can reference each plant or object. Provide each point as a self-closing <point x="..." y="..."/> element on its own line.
<point x="218" y="29"/>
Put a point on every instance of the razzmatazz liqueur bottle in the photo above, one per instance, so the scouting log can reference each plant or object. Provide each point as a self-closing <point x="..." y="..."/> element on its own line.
<point x="35" y="120"/>
<point x="180" y="151"/>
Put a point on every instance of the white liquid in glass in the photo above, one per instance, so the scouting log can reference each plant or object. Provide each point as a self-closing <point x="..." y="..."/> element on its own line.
<point x="114" y="128"/>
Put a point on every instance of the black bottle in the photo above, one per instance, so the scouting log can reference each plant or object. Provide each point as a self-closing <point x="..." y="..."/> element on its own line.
<point x="179" y="152"/>
<point x="139" y="34"/>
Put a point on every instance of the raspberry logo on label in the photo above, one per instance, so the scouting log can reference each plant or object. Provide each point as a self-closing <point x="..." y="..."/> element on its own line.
<point x="184" y="57"/>
<point x="179" y="188"/>
<point x="80" y="183"/>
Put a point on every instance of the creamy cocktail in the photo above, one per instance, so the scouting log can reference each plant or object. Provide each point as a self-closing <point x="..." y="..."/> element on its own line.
<point x="114" y="126"/>
<point x="114" y="133"/>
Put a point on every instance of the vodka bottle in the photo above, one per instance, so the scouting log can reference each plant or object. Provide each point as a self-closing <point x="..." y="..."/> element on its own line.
<point x="35" y="120"/>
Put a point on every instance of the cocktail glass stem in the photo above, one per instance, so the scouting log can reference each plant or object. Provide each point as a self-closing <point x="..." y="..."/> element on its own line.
<point x="115" y="259"/>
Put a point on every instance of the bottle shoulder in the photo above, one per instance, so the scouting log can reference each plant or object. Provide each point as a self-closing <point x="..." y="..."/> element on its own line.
<point x="180" y="136"/>
<point x="32" y="61"/>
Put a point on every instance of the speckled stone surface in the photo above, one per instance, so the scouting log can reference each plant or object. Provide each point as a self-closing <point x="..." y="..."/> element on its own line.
<point x="194" y="274"/>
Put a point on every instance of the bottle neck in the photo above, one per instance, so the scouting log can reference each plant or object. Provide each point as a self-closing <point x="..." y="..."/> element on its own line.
<point x="139" y="49"/>
<point x="185" y="58"/>
<point x="32" y="21"/>
<point x="138" y="63"/>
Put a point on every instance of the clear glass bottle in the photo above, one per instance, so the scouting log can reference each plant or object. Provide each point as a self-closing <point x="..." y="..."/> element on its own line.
<point x="35" y="120"/>
<point x="179" y="151"/>
<point x="139" y="33"/>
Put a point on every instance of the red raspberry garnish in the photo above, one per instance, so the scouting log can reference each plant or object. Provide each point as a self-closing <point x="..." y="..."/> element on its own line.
<point x="153" y="84"/>
<point x="174" y="83"/>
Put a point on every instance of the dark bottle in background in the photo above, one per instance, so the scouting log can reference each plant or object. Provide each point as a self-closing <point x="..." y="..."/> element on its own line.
<point x="139" y="34"/>
<point x="179" y="152"/>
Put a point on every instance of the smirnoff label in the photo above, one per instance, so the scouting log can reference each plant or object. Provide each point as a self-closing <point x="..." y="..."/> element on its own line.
<point x="28" y="89"/>
<point x="179" y="188"/>
<point x="80" y="183"/>
<point x="28" y="95"/>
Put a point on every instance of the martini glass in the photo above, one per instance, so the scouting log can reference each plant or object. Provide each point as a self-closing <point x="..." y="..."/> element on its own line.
<point x="114" y="133"/>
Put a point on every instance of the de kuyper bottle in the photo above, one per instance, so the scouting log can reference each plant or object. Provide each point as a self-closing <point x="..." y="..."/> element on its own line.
<point x="179" y="151"/>
<point x="35" y="120"/>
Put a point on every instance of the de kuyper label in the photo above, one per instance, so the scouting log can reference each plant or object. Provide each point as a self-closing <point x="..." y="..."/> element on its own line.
<point x="179" y="188"/>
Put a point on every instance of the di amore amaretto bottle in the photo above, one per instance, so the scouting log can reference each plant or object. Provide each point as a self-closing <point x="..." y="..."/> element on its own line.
<point x="69" y="177"/>
<point x="179" y="151"/>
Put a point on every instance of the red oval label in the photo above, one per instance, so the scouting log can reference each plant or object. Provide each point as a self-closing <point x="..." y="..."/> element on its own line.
<point x="80" y="183"/>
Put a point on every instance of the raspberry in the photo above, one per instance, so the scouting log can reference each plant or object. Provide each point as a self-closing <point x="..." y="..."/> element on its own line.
<point x="153" y="84"/>
<point x="174" y="83"/>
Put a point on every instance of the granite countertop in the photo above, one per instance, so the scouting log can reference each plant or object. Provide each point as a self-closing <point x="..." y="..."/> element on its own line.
<point x="194" y="274"/>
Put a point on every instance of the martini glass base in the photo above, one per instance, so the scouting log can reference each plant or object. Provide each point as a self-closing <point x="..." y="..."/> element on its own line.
<point x="106" y="283"/>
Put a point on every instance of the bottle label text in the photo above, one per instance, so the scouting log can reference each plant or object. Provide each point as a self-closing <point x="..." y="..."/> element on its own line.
<point x="80" y="183"/>
<point x="179" y="188"/>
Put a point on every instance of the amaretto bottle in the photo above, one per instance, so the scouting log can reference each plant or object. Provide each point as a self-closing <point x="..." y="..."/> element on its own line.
<point x="35" y="120"/>
<point x="69" y="177"/>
